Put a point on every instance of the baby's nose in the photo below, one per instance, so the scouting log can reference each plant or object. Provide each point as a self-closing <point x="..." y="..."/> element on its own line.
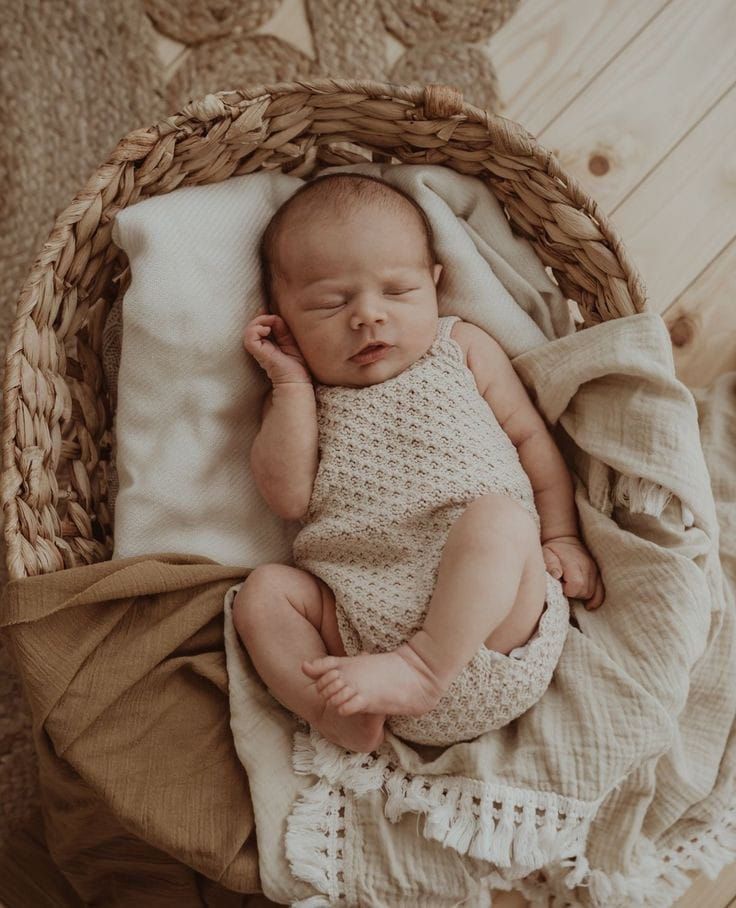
<point x="368" y="310"/>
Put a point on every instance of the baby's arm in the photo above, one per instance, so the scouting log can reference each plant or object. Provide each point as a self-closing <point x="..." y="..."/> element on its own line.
<point x="539" y="455"/>
<point x="284" y="455"/>
<point x="565" y="555"/>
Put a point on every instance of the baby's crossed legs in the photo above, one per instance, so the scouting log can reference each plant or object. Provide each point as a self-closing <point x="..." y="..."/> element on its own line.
<point x="490" y="588"/>
<point x="284" y="615"/>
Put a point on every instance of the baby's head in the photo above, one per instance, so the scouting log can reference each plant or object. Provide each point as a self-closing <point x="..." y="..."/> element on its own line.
<point x="347" y="260"/>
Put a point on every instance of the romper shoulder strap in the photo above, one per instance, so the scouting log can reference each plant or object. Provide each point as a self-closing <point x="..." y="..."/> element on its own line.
<point x="445" y="323"/>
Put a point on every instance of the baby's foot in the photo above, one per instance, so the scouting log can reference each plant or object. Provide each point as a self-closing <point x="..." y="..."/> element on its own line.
<point x="361" y="733"/>
<point x="395" y="683"/>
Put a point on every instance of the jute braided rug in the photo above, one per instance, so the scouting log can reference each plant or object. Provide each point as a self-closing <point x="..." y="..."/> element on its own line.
<point x="76" y="75"/>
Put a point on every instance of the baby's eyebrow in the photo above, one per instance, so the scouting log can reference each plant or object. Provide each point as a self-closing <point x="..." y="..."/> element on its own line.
<point x="386" y="273"/>
<point x="324" y="280"/>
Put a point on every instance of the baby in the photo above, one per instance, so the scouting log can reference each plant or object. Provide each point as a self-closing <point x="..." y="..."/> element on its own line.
<point x="418" y="605"/>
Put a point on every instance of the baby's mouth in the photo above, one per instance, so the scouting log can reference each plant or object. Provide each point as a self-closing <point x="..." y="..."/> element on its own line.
<point x="369" y="350"/>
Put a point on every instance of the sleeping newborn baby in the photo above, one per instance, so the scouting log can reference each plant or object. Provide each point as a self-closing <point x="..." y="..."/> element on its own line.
<point x="438" y="521"/>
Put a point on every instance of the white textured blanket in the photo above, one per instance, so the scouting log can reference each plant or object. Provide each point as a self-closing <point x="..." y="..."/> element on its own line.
<point x="622" y="776"/>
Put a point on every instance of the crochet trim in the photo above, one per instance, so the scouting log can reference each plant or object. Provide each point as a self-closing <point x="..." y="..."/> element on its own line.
<point x="315" y="834"/>
<point x="518" y="830"/>
<point x="460" y="813"/>
<point x="657" y="880"/>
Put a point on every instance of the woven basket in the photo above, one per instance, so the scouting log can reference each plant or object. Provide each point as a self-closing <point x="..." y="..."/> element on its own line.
<point x="57" y="425"/>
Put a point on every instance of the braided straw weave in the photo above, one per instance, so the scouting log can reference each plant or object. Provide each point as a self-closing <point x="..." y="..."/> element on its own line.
<point x="57" y="426"/>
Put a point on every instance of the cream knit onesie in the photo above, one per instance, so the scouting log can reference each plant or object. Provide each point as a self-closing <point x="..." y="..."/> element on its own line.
<point x="400" y="461"/>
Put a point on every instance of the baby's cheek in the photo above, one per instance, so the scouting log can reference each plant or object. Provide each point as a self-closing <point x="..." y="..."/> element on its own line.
<point x="324" y="369"/>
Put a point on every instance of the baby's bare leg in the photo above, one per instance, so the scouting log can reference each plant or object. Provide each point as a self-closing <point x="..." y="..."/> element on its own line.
<point x="490" y="589"/>
<point x="285" y="615"/>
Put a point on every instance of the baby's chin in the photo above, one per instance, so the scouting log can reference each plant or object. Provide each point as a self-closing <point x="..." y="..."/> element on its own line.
<point x="361" y="376"/>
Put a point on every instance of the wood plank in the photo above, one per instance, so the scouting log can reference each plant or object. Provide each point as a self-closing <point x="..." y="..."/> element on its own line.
<point x="548" y="52"/>
<point x="684" y="213"/>
<point x="707" y="893"/>
<point x="642" y="104"/>
<point x="702" y="323"/>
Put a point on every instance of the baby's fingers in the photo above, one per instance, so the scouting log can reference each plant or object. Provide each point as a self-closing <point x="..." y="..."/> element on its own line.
<point x="598" y="596"/>
<point x="253" y="338"/>
<point x="574" y="581"/>
<point x="552" y="563"/>
<point x="278" y="326"/>
<point x="589" y="575"/>
<point x="263" y="318"/>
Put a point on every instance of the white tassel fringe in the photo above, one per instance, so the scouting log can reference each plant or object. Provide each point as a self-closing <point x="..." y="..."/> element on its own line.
<point x="640" y="496"/>
<point x="498" y="824"/>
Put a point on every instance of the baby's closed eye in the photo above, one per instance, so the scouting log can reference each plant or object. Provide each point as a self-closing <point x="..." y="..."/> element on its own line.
<point x="335" y="304"/>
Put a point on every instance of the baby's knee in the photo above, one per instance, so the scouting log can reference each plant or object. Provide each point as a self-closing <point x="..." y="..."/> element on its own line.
<point x="500" y="516"/>
<point x="269" y="587"/>
<point x="258" y="589"/>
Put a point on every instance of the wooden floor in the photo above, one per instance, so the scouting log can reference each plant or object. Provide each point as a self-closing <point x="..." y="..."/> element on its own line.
<point x="638" y="100"/>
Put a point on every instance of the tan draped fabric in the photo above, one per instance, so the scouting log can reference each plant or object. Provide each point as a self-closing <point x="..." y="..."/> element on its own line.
<point x="123" y="667"/>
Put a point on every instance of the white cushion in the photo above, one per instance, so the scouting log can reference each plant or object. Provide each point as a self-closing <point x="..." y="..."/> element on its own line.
<point x="189" y="396"/>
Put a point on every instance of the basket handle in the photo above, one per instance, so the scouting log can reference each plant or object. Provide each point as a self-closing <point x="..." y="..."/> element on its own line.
<point x="442" y="101"/>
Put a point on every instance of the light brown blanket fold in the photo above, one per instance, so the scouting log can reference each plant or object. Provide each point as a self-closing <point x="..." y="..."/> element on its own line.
<point x="123" y="666"/>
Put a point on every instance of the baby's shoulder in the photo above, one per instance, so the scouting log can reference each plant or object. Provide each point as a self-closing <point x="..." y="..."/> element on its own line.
<point x="482" y="352"/>
<point x="466" y="334"/>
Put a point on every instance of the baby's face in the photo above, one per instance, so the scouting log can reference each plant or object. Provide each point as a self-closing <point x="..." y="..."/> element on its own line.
<point x="352" y="281"/>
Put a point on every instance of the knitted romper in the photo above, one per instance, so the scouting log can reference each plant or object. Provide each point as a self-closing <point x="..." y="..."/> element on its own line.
<point x="400" y="460"/>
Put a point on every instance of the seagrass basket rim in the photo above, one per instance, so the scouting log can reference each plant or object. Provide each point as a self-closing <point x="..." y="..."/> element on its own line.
<point x="49" y="297"/>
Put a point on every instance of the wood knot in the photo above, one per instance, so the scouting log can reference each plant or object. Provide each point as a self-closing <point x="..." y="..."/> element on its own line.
<point x="598" y="165"/>
<point x="682" y="331"/>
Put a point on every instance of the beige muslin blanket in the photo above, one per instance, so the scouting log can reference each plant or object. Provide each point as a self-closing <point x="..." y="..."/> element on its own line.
<point x="623" y="774"/>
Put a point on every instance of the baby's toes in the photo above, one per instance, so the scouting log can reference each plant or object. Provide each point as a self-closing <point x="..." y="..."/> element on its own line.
<point x="316" y="667"/>
<point x="333" y="687"/>
<point x="341" y="697"/>
<point x="327" y="679"/>
<point x="356" y="703"/>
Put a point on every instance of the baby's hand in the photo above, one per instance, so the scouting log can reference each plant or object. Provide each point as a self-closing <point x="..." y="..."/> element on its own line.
<point x="280" y="356"/>
<point x="566" y="557"/>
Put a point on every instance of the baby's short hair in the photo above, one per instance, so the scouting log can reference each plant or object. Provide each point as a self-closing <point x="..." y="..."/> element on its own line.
<point x="338" y="192"/>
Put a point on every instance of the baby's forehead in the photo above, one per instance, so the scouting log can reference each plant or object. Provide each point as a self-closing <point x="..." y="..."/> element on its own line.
<point x="300" y="228"/>
<point x="317" y="213"/>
